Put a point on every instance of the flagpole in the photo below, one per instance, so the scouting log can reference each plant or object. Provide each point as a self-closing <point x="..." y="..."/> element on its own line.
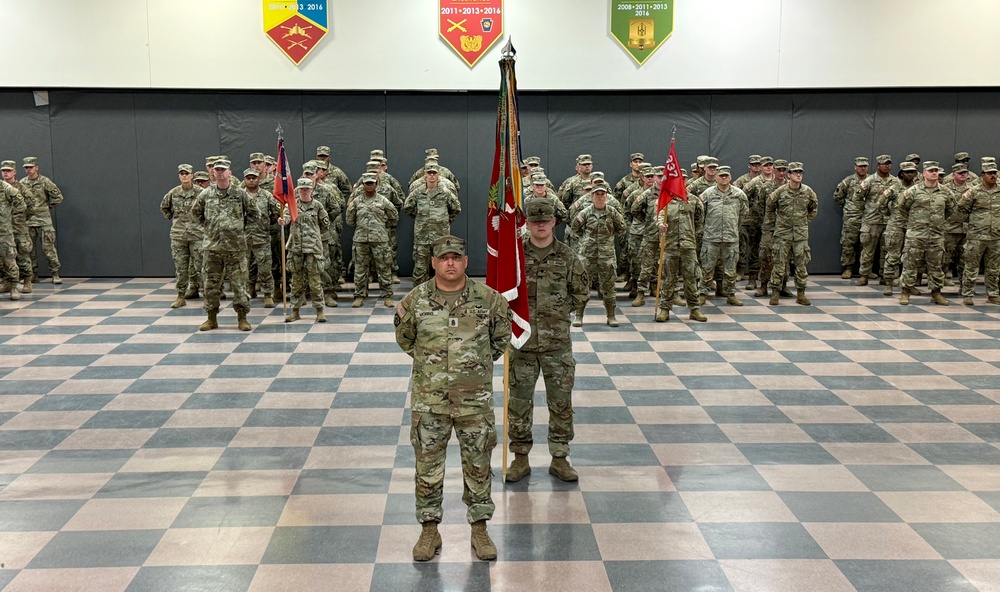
<point x="663" y="236"/>
<point x="507" y="54"/>
<point x="284" y="280"/>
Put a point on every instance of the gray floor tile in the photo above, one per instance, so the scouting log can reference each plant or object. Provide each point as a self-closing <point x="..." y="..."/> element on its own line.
<point x="246" y="371"/>
<point x="127" y="420"/>
<point x="904" y="478"/>
<point x="224" y="512"/>
<point x="218" y="578"/>
<point x="261" y="459"/>
<point x="992" y="498"/>
<point x="368" y="400"/>
<point x="82" y="461"/>
<point x="746" y="414"/>
<point x="32" y="439"/>
<point x="549" y="542"/>
<point x="638" y="370"/>
<point x="959" y="454"/>
<point x="760" y="540"/>
<point x="989" y="432"/>
<point x="636" y="507"/>
<point x="657" y="398"/>
<point x="37" y="515"/>
<point x="847" y="432"/>
<point x="703" y="576"/>
<point x="602" y="415"/>
<point x="683" y="433"/>
<point x="901" y="414"/>
<point x="787" y="454"/>
<point x="610" y="455"/>
<point x="837" y="507"/>
<point x="71" y="403"/>
<point x="320" y="481"/>
<point x="717" y="478"/>
<point x="164" y="385"/>
<point x="716" y="382"/>
<point x="950" y="397"/>
<point x="222" y="401"/>
<point x="304" y="385"/>
<point x="792" y="397"/>
<point x="322" y="544"/>
<point x="281" y="418"/>
<point x="430" y="577"/>
<point x="357" y="436"/>
<point x="191" y="438"/>
<point x="172" y="484"/>
<point x="904" y="576"/>
<point x="119" y="548"/>
<point x="962" y="541"/>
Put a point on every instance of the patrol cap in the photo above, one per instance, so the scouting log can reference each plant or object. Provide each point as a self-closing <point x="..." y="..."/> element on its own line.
<point x="710" y="161"/>
<point x="883" y="159"/>
<point x="597" y="175"/>
<point x="754" y="159"/>
<point x="377" y="152"/>
<point x="432" y="167"/>
<point x="795" y="167"/>
<point x="30" y="161"/>
<point x="961" y="156"/>
<point x="433" y="158"/>
<point x="647" y="171"/>
<point x="8" y="165"/>
<point x="380" y="159"/>
<point x="304" y="183"/>
<point x="431" y="152"/>
<point x="309" y="167"/>
<point x="257" y="157"/>
<point x="270" y="159"/>
<point x="766" y="160"/>
<point x="448" y="244"/>
<point x="931" y="165"/>
<point x="588" y="187"/>
<point x="913" y="156"/>
<point x="369" y="178"/>
<point x="584" y="159"/>
<point x="533" y="160"/>
<point x="539" y="179"/>
<point x="250" y="173"/>
<point x="959" y="167"/>
<point x="781" y="163"/>
<point x="322" y="164"/>
<point x="539" y="210"/>
<point x="724" y="170"/>
<point x="181" y="168"/>
<point x="222" y="163"/>
<point x="637" y="156"/>
<point x="322" y="151"/>
<point x="861" y="161"/>
<point x="372" y="166"/>
<point x="987" y="159"/>
<point x="201" y="176"/>
<point x="600" y="187"/>
<point x="658" y="170"/>
<point x="700" y="161"/>
<point x="989" y="167"/>
<point x="908" y="166"/>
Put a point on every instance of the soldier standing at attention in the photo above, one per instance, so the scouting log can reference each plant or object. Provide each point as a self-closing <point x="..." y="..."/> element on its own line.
<point x="679" y="221"/>
<point x="873" y="218"/>
<point x="597" y="225"/>
<point x="186" y="236"/>
<point x="259" y="234"/>
<point x="454" y="328"/>
<point x="225" y="211"/>
<point x="846" y="196"/>
<point x="925" y="208"/>
<point x="371" y="215"/>
<point x="306" y="249"/>
<point x="433" y="209"/>
<point x="636" y="228"/>
<point x="790" y="209"/>
<point x="644" y="210"/>
<point x="954" y="230"/>
<point x="41" y="195"/>
<point x="633" y="176"/>
<point x="572" y="188"/>
<point x="557" y="285"/>
<point x="19" y="227"/>
<point x="11" y="206"/>
<point x="981" y="206"/>
<point x="895" y="229"/>
<point x="725" y="209"/>
<point x="335" y="174"/>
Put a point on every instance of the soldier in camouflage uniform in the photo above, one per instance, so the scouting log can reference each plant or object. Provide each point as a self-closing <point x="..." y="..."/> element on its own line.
<point x="445" y="183"/>
<point x="259" y="235"/>
<point x="41" y="195"/>
<point x="371" y="215"/>
<point x="644" y="210"/>
<point x="679" y="222"/>
<point x="633" y="176"/>
<point x="754" y="166"/>
<point x="11" y="206"/>
<point x="980" y="207"/>
<point x="397" y="191"/>
<point x="19" y="227"/>
<point x="445" y="174"/>
<point x="964" y="159"/>
<point x="335" y="174"/>
<point x="572" y="188"/>
<point x="305" y="248"/>
<point x="384" y="187"/>
<point x="330" y="197"/>
<point x="186" y="235"/>
<point x="725" y="209"/>
<point x="954" y="230"/>
<point x="225" y="210"/>
<point x="636" y="228"/>
<point x="873" y="218"/>
<point x="596" y="226"/>
<point x="539" y="189"/>
<point x="846" y="197"/>
<point x="757" y="190"/>
<point x="790" y="209"/>
<point x="433" y="209"/>
<point x="454" y="328"/>
<point x="557" y="285"/>
<point x="925" y="208"/>
<point x="895" y="229"/>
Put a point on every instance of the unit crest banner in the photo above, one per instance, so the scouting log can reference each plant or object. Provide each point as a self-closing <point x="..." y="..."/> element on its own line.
<point x="470" y="27"/>
<point x="296" y="27"/>
<point x="641" y="27"/>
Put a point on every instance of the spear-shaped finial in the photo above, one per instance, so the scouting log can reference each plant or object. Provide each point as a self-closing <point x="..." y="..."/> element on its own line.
<point x="673" y="132"/>
<point x="508" y="50"/>
<point x="280" y="131"/>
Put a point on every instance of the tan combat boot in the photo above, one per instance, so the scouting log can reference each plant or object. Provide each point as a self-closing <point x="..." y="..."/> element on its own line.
<point x="320" y="317"/>
<point x="862" y="281"/>
<point x="846" y="275"/>
<point x="993" y="299"/>
<point x="697" y="316"/>
<point x="518" y="469"/>
<point x="191" y="293"/>
<point x="27" y="287"/>
<point x="179" y="301"/>
<point x="561" y="468"/>
<point x="15" y="291"/>
<point x="938" y="298"/>
<point x="785" y="292"/>
<point x="904" y="297"/>
<point x="751" y="284"/>
<point x="330" y="300"/>
<point x="276" y="296"/>
<point x="252" y="291"/>
<point x="761" y="291"/>
<point x="679" y="300"/>
<point x="775" y="298"/>
<point x="640" y="297"/>
<point x="887" y="290"/>
<point x="293" y="316"/>
<point x="389" y="302"/>
<point x="733" y="301"/>
<point x="241" y="321"/>
<point x="578" y="321"/>
<point x="968" y="301"/>
<point x="801" y="298"/>
<point x="358" y="302"/>
<point x="612" y="321"/>
<point x="662" y="315"/>
<point x="56" y="280"/>
<point x="429" y="543"/>
<point x="211" y="323"/>
<point x="268" y="301"/>
<point x="482" y="543"/>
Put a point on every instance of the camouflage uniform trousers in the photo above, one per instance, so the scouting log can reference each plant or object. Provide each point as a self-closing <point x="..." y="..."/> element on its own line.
<point x="48" y="236"/>
<point x="892" y="245"/>
<point x="232" y="265"/>
<point x="369" y="258"/>
<point x="953" y="245"/>
<point x="871" y="236"/>
<point x="765" y="258"/>
<point x="634" y="248"/>
<point x="276" y="257"/>
<point x="749" y="262"/>
<point x="329" y="270"/>
<point x="785" y="251"/>
<point x="187" y="264"/>
<point x="8" y="256"/>
<point x="724" y="253"/>
<point x="421" y="263"/>
<point x="920" y="252"/>
<point x="683" y="262"/>
<point x="558" y="369"/>
<point x="335" y="262"/>
<point x="394" y="249"/>
<point x="307" y="270"/>
<point x="850" y="232"/>
<point x="623" y="254"/>
<point x="971" y="255"/>
<point x="22" y="240"/>
<point x="649" y="265"/>
<point x="603" y="268"/>
<point x="259" y="261"/>
<point x="477" y="437"/>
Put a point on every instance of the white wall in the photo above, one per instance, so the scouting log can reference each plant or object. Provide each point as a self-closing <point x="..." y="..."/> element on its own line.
<point x="562" y="45"/>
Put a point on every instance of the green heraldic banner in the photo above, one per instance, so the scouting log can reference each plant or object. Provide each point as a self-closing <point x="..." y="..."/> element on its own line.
<point x="641" y="27"/>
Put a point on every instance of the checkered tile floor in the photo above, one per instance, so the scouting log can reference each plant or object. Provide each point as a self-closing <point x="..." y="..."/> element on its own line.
<point x="854" y="444"/>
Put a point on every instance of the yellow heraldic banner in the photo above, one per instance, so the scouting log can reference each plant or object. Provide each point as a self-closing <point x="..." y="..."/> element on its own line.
<point x="641" y="27"/>
<point x="296" y="27"/>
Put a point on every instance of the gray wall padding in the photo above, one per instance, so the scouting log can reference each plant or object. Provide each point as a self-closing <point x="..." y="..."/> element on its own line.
<point x="115" y="153"/>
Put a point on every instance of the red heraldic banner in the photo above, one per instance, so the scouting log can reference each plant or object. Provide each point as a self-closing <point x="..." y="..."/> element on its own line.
<point x="296" y="27"/>
<point x="470" y="27"/>
<point x="673" y="182"/>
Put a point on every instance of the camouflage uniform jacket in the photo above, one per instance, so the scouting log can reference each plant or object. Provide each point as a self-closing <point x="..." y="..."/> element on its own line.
<point x="433" y="211"/>
<point x="792" y="210"/>
<point x="925" y="210"/>
<point x="557" y="285"/>
<point x="757" y="191"/>
<point x="635" y="226"/>
<point x="624" y="183"/>
<point x="699" y="186"/>
<point x="11" y="206"/>
<point x="597" y="230"/>
<point x="724" y="212"/>
<point x="20" y="219"/>
<point x="982" y="207"/>
<point x="339" y="178"/>
<point x="259" y="231"/>
<point x="40" y="196"/>
<point x="973" y="178"/>
<point x="846" y="196"/>
<point x="742" y="181"/>
<point x="371" y="217"/>
<point x="571" y="189"/>
<point x="682" y="223"/>
<point x="955" y="225"/>
<point x="224" y="213"/>
<point x="176" y="207"/>
<point x="644" y="210"/>
<point x="442" y="181"/>
<point x="445" y="173"/>
<point x="328" y="195"/>
<point x="453" y="348"/>
<point x="869" y="190"/>
<point x="382" y="187"/>
<point x="306" y="234"/>
<point x="588" y="200"/>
